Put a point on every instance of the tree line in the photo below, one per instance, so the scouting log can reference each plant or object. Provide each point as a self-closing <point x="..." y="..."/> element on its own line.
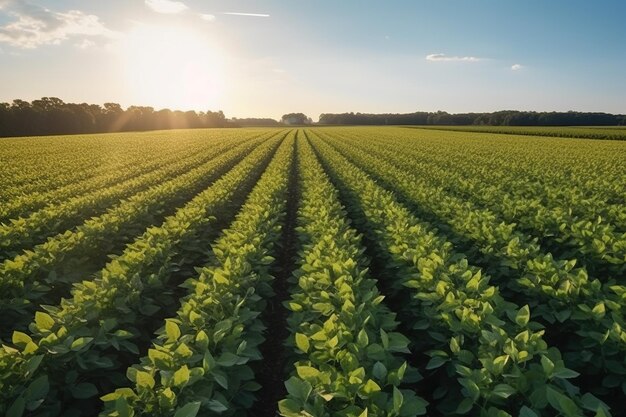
<point x="499" y="118"/>
<point x="52" y="116"/>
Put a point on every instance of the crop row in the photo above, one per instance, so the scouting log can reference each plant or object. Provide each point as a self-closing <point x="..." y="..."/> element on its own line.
<point x="26" y="232"/>
<point x="99" y="330"/>
<point x="582" y="178"/>
<point x="607" y="133"/>
<point x="590" y="239"/>
<point x="56" y="162"/>
<point x="589" y="313"/>
<point x="116" y="172"/>
<point x="503" y="364"/>
<point x="349" y="360"/>
<point x="43" y="274"/>
<point x="199" y="360"/>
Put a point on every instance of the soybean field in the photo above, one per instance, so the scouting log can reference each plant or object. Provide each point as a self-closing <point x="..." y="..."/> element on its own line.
<point x="314" y="272"/>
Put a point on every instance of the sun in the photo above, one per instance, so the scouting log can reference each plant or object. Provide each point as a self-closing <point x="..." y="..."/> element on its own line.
<point x="173" y="67"/>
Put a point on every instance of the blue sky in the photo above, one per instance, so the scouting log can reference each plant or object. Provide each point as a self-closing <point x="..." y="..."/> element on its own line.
<point x="318" y="56"/>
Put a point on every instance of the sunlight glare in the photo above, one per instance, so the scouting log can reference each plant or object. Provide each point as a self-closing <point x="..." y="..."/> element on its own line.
<point x="173" y="67"/>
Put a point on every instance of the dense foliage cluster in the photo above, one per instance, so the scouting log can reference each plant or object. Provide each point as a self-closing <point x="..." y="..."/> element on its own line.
<point x="428" y="272"/>
<point x="52" y="116"/>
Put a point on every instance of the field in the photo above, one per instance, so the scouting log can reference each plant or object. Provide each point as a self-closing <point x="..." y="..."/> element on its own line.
<point x="344" y="271"/>
<point x="595" y="132"/>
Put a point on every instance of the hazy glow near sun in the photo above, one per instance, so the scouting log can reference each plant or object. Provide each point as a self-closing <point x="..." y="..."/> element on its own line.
<point x="172" y="67"/>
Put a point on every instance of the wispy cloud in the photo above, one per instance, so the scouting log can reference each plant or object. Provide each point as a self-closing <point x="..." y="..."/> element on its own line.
<point x="246" y="14"/>
<point x="446" y="58"/>
<point x="516" y="67"/>
<point x="33" y="26"/>
<point x="85" y="44"/>
<point x="208" y="17"/>
<point x="166" y="6"/>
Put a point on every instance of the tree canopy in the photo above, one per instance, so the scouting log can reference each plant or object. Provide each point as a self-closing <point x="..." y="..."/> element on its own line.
<point x="296" y="119"/>
<point x="499" y="118"/>
<point x="52" y="116"/>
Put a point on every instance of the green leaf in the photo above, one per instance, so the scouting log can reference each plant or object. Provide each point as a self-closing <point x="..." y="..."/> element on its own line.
<point x="208" y="362"/>
<point x="565" y="373"/>
<point x="122" y="408"/>
<point x="379" y="371"/>
<point x="454" y="345"/>
<point x="32" y="364"/>
<point x="160" y="359"/>
<point x="500" y="362"/>
<point x="569" y="407"/>
<point x="362" y="340"/>
<point x="523" y="316"/>
<point x="79" y="343"/>
<point x="21" y="339"/>
<point x="167" y="398"/>
<point x="216" y="406"/>
<point x="294" y="306"/>
<point x="435" y="362"/>
<point x="547" y="365"/>
<point x="305" y="372"/>
<point x="333" y="341"/>
<point x="144" y="379"/>
<point x="370" y="387"/>
<point x="84" y="390"/>
<point x="188" y="410"/>
<point x="302" y="342"/>
<point x="554" y="397"/>
<point x="465" y="406"/>
<point x="397" y="399"/>
<point x="43" y="320"/>
<point x="196" y="319"/>
<point x="220" y="378"/>
<point x="602" y="413"/>
<point x="227" y="359"/>
<point x="591" y="402"/>
<point x="298" y="388"/>
<point x="181" y="377"/>
<point x="38" y="389"/>
<point x="172" y="330"/>
<point x="599" y="310"/>
<point x="503" y="390"/>
<point x="289" y="408"/>
<point x="527" y="412"/>
<point x="202" y="339"/>
<point x="17" y="408"/>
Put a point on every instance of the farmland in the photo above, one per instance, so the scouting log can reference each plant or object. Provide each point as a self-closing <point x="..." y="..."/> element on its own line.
<point x="323" y="271"/>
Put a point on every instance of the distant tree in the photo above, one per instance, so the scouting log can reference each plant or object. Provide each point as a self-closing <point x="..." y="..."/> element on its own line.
<point x="254" y="122"/>
<point x="500" y="118"/>
<point x="295" y="119"/>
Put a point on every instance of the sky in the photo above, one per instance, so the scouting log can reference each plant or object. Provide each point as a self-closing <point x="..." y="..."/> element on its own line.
<point x="266" y="58"/>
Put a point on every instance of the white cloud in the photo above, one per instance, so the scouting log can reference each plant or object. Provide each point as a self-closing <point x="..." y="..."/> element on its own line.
<point x="85" y="44"/>
<point x="247" y="14"/>
<point x="208" y="17"/>
<point x="34" y="26"/>
<point x="446" y="58"/>
<point x="166" y="6"/>
<point x="516" y="67"/>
